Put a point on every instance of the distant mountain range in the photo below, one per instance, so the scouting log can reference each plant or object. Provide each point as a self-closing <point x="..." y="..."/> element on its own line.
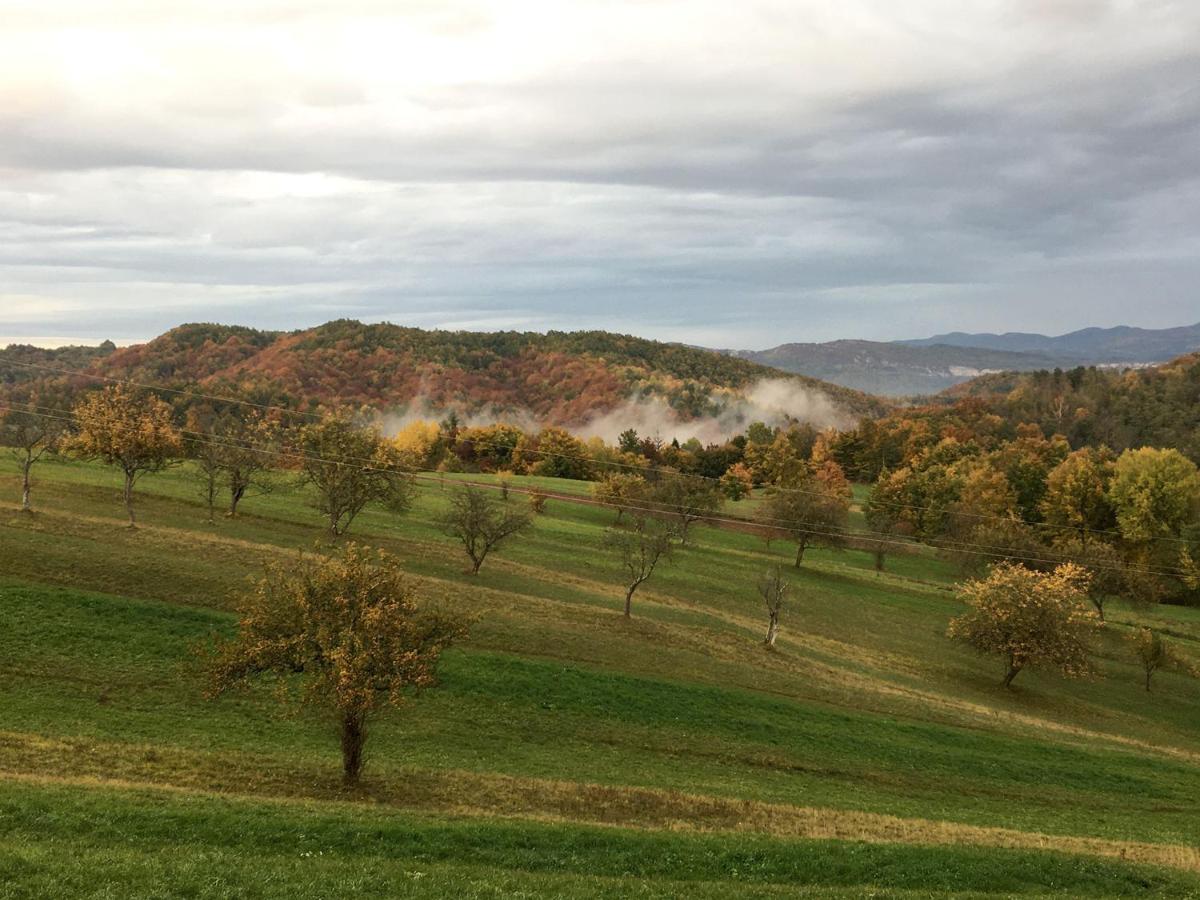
<point x="930" y="365"/>
<point x="1092" y="346"/>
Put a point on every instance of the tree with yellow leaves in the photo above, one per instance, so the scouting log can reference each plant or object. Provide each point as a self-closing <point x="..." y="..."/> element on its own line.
<point x="349" y="627"/>
<point x="130" y="430"/>
<point x="1029" y="619"/>
<point x="417" y="443"/>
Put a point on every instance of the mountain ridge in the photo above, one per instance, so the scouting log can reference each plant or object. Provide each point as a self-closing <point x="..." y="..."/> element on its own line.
<point x="1121" y="343"/>
<point x="931" y="365"/>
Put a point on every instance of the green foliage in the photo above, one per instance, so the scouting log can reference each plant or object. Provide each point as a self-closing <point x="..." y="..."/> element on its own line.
<point x="481" y="523"/>
<point x="349" y="467"/>
<point x="1154" y="493"/>
<point x="812" y="508"/>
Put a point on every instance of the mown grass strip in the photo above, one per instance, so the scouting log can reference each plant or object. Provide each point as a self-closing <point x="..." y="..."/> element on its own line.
<point x="102" y="824"/>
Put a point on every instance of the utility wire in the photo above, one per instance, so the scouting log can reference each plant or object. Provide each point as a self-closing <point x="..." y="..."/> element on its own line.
<point x="892" y="505"/>
<point x="662" y="509"/>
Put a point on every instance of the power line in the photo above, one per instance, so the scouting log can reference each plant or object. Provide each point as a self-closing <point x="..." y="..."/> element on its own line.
<point x="648" y="504"/>
<point x="874" y="537"/>
<point x="698" y="513"/>
<point x="893" y="505"/>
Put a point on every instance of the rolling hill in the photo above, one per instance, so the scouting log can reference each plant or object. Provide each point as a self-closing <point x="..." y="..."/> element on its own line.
<point x="559" y="377"/>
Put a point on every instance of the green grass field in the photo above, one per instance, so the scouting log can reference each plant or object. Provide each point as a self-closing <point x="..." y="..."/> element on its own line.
<point x="567" y="752"/>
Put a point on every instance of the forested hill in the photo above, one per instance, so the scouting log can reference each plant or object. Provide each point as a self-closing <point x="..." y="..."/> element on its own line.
<point x="561" y="377"/>
<point x="1157" y="406"/>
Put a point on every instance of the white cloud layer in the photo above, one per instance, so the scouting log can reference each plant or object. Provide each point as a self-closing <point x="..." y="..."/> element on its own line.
<point x="735" y="174"/>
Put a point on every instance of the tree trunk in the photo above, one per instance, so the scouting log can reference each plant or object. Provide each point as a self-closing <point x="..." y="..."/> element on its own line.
<point x="772" y="631"/>
<point x="475" y="564"/>
<point x="1013" y="669"/>
<point x="354" y="737"/>
<point x="25" y="502"/>
<point x="629" y="601"/>
<point x="235" y="497"/>
<point x="1148" y="673"/>
<point x="799" y="555"/>
<point x="129" y="499"/>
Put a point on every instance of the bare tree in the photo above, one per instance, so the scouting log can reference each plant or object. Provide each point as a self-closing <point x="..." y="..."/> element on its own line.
<point x="206" y="456"/>
<point x="773" y="589"/>
<point x="480" y="522"/>
<point x="230" y="451"/>
<point x="251" y="444"/>
<point x="640" y="549"/>
<point x="30" y="435"/>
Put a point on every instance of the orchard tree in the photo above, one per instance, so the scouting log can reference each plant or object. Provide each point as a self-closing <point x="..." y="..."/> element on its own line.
<point x="812" y="509"/>
<point x="1154" y="653"/>
<point x="349" y="467"/>
<point x="684" y="499"/>
<point x="640" y="549"/>
<point x="233" y="453"/>
<point x="251" y="444"/>
<point x="129" y="430"/>
<point x="205" y="455"/>
<point x="1009" y="538"/>
<point x="773" y="589"/>
<point x="480" y="522"/>
<point x="883" y="518"/>
<point x="1151" y="651"/>
<point x="1156" y="497"/>
<point x="1029" y="619"/>
<point x="1107" y="574"/>
<point x="344" y="632"/>
<point x="621" y="491"/>
<point x="30" y="434"/>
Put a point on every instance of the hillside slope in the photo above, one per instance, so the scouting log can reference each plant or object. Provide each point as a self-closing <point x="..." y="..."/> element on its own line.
<point x="559" y="377"/>
<point x="1156" y="406"/>
<point x="567" y="752"/>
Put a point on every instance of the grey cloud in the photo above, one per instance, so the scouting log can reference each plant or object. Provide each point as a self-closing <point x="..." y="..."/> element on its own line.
<point x="658" y="195"/>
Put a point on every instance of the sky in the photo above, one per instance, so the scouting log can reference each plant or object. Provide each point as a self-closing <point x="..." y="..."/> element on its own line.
<point x="731" y="174"/>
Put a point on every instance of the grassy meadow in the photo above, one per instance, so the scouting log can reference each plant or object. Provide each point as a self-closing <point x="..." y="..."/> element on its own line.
<point x="567" y="751"/>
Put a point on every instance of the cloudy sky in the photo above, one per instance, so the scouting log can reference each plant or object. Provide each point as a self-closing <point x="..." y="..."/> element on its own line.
<point x="725" y="173"/>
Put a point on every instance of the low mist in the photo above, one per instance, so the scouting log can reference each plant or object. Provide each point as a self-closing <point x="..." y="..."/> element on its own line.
<point x="775" y="401"/>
